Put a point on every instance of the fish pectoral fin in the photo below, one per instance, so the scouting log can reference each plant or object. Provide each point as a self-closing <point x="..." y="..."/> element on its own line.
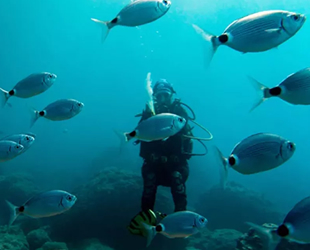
<point x="166" y="129"/>
<point x="165" y="139"/>
<point x="274" y="30"/>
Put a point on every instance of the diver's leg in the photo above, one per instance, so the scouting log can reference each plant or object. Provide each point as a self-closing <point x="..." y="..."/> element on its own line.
<point x="149" y="187"/>
<point x="179" y="177"/>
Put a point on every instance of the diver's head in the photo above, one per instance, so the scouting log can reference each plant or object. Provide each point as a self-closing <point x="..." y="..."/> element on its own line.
<point x="163" y="92"/>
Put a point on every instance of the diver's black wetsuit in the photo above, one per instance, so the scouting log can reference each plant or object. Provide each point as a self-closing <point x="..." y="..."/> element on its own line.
<point x="165" y="162"/>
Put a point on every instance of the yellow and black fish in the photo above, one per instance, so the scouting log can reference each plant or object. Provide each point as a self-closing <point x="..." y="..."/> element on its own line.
<point x="148" y="217"/>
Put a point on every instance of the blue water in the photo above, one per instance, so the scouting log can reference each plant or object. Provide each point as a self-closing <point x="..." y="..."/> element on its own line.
<point x="59" y="37"/>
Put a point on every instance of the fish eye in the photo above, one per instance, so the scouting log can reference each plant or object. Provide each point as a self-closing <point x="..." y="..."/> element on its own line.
<point x="69" y="198"/>
<point x="290" y="145"/>
<point x="165" y="2"/>
<point x="202" y="220"/>
<point x="295" y="17"/>
<point x="27" y="138"/>
<point x="180" y="120"/>
<point x="79" y="104"/>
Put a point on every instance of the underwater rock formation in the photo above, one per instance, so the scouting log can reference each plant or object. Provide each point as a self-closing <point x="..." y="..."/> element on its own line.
<point x="232" y="207"/>
<point x="92" y="244"/>
<point x="37" y="238"/>
<point x="253" y="241"/>
<point x="54" y="246"/>
<point x="13" y="239"/>
<point x="221" y="239"/>
<point x="104" y="208"/>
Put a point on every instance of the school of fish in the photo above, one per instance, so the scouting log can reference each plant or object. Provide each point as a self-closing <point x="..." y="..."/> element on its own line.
<point x="254" y="33"/>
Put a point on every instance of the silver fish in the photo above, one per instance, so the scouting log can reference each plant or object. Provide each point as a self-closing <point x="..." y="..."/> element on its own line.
<point x="257" y="32"/>
<point x="177" y="225"/>
<point x="46" y="204"/>
<point x="32" y="85"/>
<point x="60" y="110"/>
<point x="258" y="153"/>
<point x="157" y="127"/>
<point x="9" y="150"/>
<point x="295" y="227"/>
<point x="23" y="139"/>
<point x="136" y="13"/>
<point x="294" y="89"/>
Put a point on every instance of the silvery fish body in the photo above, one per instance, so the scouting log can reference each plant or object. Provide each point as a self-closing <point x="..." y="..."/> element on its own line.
<point x="49" y="204"/>
<point x="158" y="127"/>
<point x="63" y="109"/>
<point x="9" y="150"/>
<point x="60" y="110"/>
<point x="297" y="222"/>
<point x="32" y="85"/>
<point x="182" y="224"/>
<point x="294" y="89"/>
<point x="136" y="13"/>
<point x="260" y="152"/>
<point x="177" y="225"/>
<point x="46" y="204"/>
<point x="23" y="139"/>
<point x="141" y="12"/>
<point x="295" y="227"/>
<point x="262" y="31"/>
<point x="257" y="32"/>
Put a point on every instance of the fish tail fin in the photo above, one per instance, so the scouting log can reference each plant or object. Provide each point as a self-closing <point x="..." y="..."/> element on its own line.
<point x="272" y="239"/>
<point x="34" y="116"/>
<point x="5" y="97"/>
<point x="122" y="138"/>
<point x="224" y="170"/>
<point x="127" y="137"/>
<point x="105" y="28"/>
<point x="13" y="212"/>
<point x="150" y="232"/>
<point x="209" y="38"/>
<point x="261" y="91"/>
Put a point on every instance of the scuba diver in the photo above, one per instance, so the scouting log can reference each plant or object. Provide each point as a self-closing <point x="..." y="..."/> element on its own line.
<point x="165" y="162"/>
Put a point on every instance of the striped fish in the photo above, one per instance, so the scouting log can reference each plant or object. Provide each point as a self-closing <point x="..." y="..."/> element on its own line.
<point x="258" y="153"/>
<point x="294" y="89"/>
<point x="257" y="32"/>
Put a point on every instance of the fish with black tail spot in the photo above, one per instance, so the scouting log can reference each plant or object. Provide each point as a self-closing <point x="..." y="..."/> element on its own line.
<point x="136" y="13"/>
<point x="257" y="32"/>
<point x="43" y="205"/>
<point x="177" y="225"/>
<point x="295" y="227"/>
<point x="60" y="110"/>
<point x="32" y="85"/>
<point x="157" y="127"/>
<point x="257" y="153"/>
<point x="294" y="89"/>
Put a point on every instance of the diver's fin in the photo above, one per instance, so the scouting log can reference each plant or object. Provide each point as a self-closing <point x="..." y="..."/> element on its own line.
<point x="209" y="38"/>
<point x="272" y="238"/>
<point x="260" y="90"/>
<point x="224" y="170"/>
